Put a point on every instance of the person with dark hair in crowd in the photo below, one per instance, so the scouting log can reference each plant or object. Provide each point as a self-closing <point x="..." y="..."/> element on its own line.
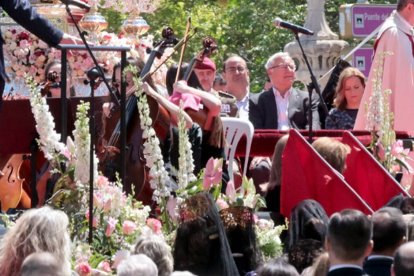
<point x="306" y="234"/>
<point x="404" y="260"/>
<point x="219" y="83"/>
<point x="201" y="245"/>
<point x="277" y="267"/>
<point x="348" y="242"/>
<point x="389" y="232"/>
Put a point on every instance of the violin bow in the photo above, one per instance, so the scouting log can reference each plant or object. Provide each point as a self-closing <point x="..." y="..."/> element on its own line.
<point x="180" y="62"/>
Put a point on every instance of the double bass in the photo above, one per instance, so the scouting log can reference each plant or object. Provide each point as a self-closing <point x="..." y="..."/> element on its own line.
<point x="109" y="144"/>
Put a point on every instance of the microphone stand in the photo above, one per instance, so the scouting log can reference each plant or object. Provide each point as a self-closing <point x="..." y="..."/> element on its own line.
<point x="93" y="74"/>
<point x="311" y="86"/>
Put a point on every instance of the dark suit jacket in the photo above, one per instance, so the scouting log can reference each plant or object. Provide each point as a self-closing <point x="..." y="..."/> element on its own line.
<point x="23" y="13"/>
<point x="263" y="111"/>
<point x="347" y="271"/>
<point x="378" y="266"/>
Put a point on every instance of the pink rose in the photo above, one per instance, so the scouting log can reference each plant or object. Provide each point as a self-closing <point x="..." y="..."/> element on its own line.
<point x="110" y="227"/>
<point x="155" y="225"/>
<point x="102" y="181"/>
<point x="128" y="227"/>
<point x="83" y="269"/>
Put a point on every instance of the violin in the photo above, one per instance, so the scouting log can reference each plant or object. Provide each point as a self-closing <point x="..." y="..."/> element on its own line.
<point x="109" y="148"/>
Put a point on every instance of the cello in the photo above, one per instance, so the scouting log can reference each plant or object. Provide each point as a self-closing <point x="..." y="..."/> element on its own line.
<point x="109" y="145"/>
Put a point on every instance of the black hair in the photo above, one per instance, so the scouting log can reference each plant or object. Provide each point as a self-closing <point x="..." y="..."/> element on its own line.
<point x="389" y="228"/>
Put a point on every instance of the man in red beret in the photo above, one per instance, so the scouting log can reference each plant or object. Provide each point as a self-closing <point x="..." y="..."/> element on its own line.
<point x="205" y="71"/>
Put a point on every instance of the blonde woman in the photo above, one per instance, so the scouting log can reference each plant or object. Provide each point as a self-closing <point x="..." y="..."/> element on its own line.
<point x="348" y="95"/>
<point x="37" y="230"/>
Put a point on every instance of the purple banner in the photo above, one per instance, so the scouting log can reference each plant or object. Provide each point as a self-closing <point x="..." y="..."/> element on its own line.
<point x="362" y="59"/>
<point x="365" y="19"/>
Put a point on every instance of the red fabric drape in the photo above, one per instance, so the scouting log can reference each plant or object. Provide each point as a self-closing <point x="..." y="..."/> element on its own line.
<point x="367" y="176"/>
<point x="306" y="175"/>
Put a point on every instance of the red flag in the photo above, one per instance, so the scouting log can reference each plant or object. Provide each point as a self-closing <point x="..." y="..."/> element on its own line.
<point x="306" y="175"/>
<point x="367" y="176"/>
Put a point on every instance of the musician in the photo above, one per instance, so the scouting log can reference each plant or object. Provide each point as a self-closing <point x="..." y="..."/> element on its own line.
<point x="25" y="15"/>
<point x="283" y="107"/>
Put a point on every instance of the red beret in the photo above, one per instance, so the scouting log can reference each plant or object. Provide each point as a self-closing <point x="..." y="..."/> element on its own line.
<point x="206" y="64"/>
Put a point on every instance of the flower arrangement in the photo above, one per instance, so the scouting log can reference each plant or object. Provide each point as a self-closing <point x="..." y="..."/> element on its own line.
<point x="380" y="121"/>
<point x="117" y="218"/>
<point x="26" y="54"/>
<point x="268" y="238"/>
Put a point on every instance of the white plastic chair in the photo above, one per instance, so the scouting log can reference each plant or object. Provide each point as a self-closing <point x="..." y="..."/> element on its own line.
<point x="234" y="129"/>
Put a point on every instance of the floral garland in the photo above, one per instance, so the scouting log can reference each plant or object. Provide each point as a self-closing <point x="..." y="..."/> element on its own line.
<point x="152" y="152"/>
<point x="380" y="122"/>
<point x="185" y="159"/>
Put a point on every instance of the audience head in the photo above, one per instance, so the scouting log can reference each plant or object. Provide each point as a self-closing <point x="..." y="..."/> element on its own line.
<point x="236" y="74"/>
<point x="409" y="221"/>
<point x="404" y="260"/>
<point x="350" y="88"/>
<point x="137" y="265"/>
<point x="349" y="237"/>
<point x="320" y="266"/>
<point x="389" y="230"/>
<point x="37" y="230"/>
<point x="116" y="74"/>
<point x="219" y="83"/>
<point x="402" y="5"/>
<point x="157" y="249"/>
<point x="333" y="151"/>
<point x="280" y="68"/>
<point x="205" y="71"/>
<point x="41" y="264"/>
<point x="304" y="252"/>
<point x="278" y="266"/>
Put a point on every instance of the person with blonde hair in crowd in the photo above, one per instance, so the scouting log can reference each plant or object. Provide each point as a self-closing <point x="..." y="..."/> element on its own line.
<point x="333" y="151"/>
<point x="157" y="250"/>
<point x="44" y="229"/>
<point x="348" y="95"/>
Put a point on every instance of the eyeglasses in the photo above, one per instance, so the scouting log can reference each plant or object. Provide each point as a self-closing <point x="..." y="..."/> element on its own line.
<point x="284" y="66"/>
<point x="240" y="69"/>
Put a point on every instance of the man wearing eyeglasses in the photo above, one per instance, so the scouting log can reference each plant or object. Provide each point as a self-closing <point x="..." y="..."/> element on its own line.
<point x="282" y="106"/>
<point x="236" y="75"/>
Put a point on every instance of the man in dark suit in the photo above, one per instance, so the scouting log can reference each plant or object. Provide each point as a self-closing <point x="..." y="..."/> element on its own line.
<point x="389" y="232"/>
<point x="25" y="15"/>
<point x="348" y="242"/>
<point x="282" y="106"/>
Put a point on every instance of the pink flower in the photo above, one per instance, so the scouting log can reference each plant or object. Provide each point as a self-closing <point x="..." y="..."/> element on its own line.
<point x="83" y="269"/>
<point x="397" y="148"/>
<point x="102" y="181"/>
<point x="381" y="152"/>
<point x="212" y="173"/>
<point x="110" y="227"/>
<point x="172" y="208"/>
<point x="221" y="204"/>
<point x="104" y="266"/>
<point x="94" y="220"/>
<point x="128" y="227"/>
<point x="155" y="225"/>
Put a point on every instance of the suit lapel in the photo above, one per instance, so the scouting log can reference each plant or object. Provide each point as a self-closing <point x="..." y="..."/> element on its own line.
<point x="271" y="108"/>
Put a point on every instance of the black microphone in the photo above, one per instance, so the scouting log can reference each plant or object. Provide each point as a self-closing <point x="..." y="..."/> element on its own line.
<point x="76" y="3"/>
<point x="294" y="28"/>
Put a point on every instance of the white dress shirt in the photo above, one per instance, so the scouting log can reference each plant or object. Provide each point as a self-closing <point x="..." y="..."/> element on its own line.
<point x="282" y="106"/>
<point x="243" y="107"/>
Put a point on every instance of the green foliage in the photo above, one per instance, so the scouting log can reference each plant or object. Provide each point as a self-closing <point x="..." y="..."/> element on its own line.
<point x="242" y="27"/>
